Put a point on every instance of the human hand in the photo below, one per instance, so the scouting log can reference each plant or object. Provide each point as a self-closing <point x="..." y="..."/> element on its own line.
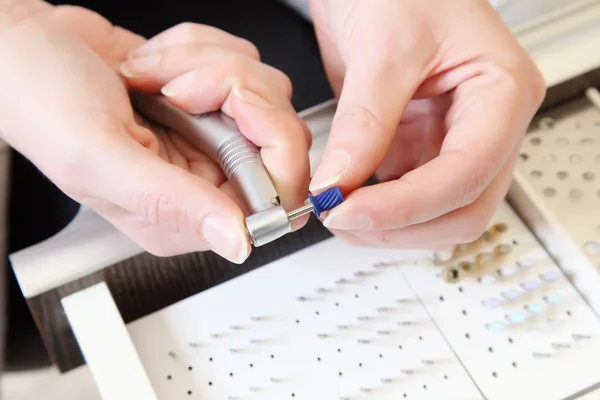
<point x="66" y="108"/>
<point x="434" y="97"/>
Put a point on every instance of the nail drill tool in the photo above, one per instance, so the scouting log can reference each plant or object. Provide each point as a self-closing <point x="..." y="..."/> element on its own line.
<point x="218" y="136"/>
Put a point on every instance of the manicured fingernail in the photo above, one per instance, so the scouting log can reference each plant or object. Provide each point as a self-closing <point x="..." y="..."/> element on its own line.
<point x="347" y="222"/>
<point x="179" y="85"/>
<point x="332" y="168"/>
<point x="142" y="50"/>
<point x="225" y="237"/>
<point x="251" y="98"/>
<point x="140" y="66"/>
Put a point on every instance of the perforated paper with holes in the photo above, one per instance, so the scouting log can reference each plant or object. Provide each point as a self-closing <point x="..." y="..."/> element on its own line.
<point x="562" y="161"/>
<point x="557" y="189"/>
<point x="335" y="322"/>
<point x="518" y="325"/>
<point x="303" y="329"/>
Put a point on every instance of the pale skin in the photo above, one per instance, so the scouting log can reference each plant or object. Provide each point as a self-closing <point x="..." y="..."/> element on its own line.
<point x="434" y="97"/>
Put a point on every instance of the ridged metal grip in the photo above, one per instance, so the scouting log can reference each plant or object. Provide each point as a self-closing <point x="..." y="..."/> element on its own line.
<point x="236" y="152"/>
<point x="217" y="136"/>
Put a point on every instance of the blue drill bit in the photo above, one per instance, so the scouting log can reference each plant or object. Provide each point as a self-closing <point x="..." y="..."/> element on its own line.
<point x="327" y="200"/>
<point x="318" y="204"/>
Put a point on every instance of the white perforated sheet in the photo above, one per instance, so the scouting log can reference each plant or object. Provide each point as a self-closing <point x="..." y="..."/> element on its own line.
<point x="557" y="189"/>
<point x="518" y="325"/>
<point x="289" y="330"/>
<point x="336" y="322"/>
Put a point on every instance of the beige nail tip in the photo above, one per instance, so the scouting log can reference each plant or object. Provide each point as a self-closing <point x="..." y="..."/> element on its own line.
<point x="244" y="253"/>
<point x="326" y="221"/>
<point x="168" y="92"/>
<point x="251" y="98"/>
<point x="325" y="185"/>
<point x="341" y="159"/>
<point x="125" y="71"/>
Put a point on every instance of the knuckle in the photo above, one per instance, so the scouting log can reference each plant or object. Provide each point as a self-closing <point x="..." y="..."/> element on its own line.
<point x="409" y="214"/>
<point x="524" y="78"/>
<point x="249" y="48"/>
<point x="186" y="30"/>
<point x="473" y="187"/>
<point x="159" y="209"/>
<point x="234" y="69"/>
<point x="191" y="49"/>
<point x="362" y="118"/>
<point x="284" y="82"/>
<point x="234" y="64"/>
<point x="307" y="133"/>
<point x="414" y="217"/>
<point x="69" y="11"/>
<point x="538" y="86"/>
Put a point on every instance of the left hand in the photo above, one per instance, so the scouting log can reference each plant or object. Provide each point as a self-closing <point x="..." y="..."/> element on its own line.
<point x="434" y="97"/>
<point x="150" y="183"/>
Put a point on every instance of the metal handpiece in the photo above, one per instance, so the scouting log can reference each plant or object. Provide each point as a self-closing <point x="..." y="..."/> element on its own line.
<point x="266" y="226"/>
<point x="219" y="138"/>
<point x="300" y="212"/>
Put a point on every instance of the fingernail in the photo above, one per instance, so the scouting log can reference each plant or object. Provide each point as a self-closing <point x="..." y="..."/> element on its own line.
<point x="179" y="85"/>
<point x="347" y="222"/>
<point x="225" y="238"/>
<point x="251" y="98"/>
<point x="332" y="168"/>
<point x="142" y="50"/>
<point x="140" y="66"/>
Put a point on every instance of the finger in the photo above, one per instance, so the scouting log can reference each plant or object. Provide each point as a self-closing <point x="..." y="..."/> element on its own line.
<point x="214" y="72"/>
<point x="377" y="86"/>
<point x="418" y="139"/>
<point x="460" y="226"/>
<point x="150" y="73"/>
<point x="149" y="236"/>
<point x="171" y="147"/>
<point x="180" y="71"/>
<point x="487" y="119"/>
<point x="284" y="151"/>
<point x="167" y="198"/>
<point x="197" y="162"/>
<point x="263" y="114"/>
<point x="195" y="33"/>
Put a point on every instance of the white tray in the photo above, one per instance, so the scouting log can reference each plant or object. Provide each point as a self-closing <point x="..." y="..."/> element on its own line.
<point x="335" y="322"/>
<point x="557" y="189"/>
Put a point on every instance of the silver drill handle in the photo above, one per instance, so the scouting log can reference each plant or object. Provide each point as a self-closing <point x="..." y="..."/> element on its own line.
<point x="219" y="138"/>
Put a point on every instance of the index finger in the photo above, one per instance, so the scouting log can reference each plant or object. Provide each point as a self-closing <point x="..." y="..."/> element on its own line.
<point x="487" y="119"/>
<point x="263" y="114"/>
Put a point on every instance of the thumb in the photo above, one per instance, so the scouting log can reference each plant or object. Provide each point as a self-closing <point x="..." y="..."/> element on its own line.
<point x="165" y="209"/>
<point x="376" y="89"/>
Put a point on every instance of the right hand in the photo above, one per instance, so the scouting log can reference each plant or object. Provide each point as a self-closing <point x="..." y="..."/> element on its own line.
<point x="65" y="107"/>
